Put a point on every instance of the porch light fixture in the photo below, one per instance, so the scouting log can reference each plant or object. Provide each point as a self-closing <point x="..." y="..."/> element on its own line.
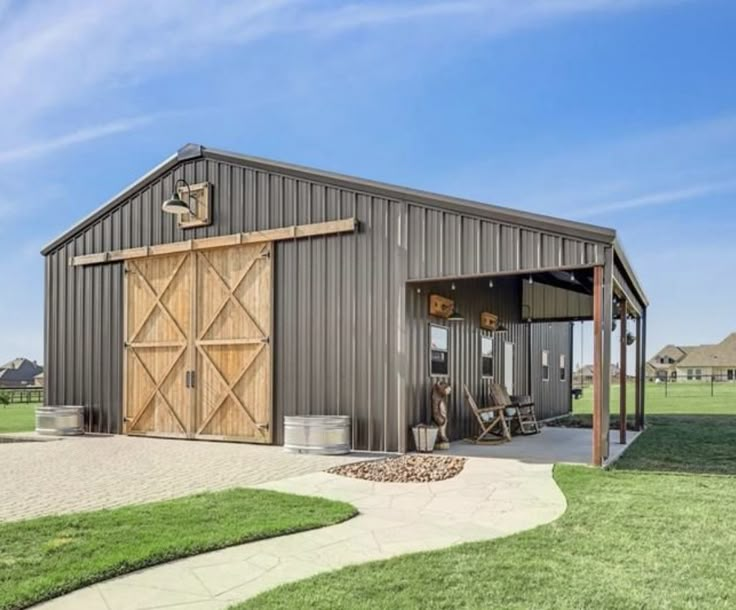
<point x="452" y="286"/>
<point x="572" y="276"/>
<point x="455" y="316"/>
<point x="531" y="280"/>
<point x="175" y="204"/>
<point x="490" y="283"/>
<point x="501" y="328"/>
<point x="630" y="339"/>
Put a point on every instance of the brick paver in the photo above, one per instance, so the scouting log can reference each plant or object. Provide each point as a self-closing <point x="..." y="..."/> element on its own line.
<point x="91" y="472"/>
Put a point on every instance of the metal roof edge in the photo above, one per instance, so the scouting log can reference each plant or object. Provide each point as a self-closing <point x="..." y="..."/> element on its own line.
<point x="629" y="270"/>
<point x="457" y="204"/>
<point x="567" y="228"/>
<point x="188" y="151"/>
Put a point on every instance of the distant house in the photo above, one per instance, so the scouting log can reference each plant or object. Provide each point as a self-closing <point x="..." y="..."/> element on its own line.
<point x="584" y="375"/>
<point x="709" y="361"/>
<point x="19" y="373"/>
<point x="38" y="380"/>
<point x="663" y="365"/>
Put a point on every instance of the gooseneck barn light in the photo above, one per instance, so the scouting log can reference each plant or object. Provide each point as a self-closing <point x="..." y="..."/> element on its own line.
<point x="175" y="204"/>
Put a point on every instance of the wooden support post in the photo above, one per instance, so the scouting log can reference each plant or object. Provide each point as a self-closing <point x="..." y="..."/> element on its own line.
<point x="643" y="341"/>
<point x="622" y="371"/>
<point x="639" y="377"/>
<point x="597" y="362"/>
<point x="606" y="349"/>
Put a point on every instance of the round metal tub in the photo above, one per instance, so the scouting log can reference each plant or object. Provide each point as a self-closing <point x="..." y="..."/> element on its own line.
<point x="60" y="421"/>
<point x="319" y="434"/>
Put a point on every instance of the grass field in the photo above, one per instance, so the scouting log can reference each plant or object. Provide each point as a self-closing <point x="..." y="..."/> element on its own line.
<point x="46" y="557"/>
<point x="631" y="538"/>
<point x="17" y="417"/>
<point x="682" y="398"/>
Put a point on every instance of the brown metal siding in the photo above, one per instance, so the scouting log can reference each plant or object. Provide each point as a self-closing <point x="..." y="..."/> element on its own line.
<point x="339" y="300"/>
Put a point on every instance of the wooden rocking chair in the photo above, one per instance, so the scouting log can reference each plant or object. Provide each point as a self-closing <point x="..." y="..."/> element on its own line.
<point x="518" y="409"/>
<point x="490" y="419"/>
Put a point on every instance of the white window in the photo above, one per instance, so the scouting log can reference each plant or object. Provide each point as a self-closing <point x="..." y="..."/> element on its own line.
<point x="698" y="374"/>
<point x="486" y="357"/>
<point x="438" y="351"/>
<point x="545" y="365"/>
<point x="563" y="368"/>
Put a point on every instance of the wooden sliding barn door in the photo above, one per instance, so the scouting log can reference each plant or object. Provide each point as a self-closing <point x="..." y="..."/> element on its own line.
<point x="233" y="351"/>
<point x="197" y="342"/>
<point x="158" y="326"/>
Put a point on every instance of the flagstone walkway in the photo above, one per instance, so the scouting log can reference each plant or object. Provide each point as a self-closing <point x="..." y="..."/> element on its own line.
<point x="488" y="499"/>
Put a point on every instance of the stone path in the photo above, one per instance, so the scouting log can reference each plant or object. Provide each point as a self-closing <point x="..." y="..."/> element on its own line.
<point x="490" y="498"/>
<point x="91" y="472"/>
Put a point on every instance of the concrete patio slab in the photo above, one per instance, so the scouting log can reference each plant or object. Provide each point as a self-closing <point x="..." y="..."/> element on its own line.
<point x="550" y="446"/>
<point x="488" y="499"/>
<point x="91" y="472"/>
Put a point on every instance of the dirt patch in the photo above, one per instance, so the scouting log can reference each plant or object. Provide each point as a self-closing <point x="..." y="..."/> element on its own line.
<point x="404" y="469"/>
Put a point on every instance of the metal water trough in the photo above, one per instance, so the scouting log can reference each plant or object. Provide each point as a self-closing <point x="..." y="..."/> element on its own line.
<point x="60" y="421"/>
<point x="318" y="434"/>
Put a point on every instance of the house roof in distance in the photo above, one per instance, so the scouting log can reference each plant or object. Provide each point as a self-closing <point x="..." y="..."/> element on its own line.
<point x="718" y="355"/>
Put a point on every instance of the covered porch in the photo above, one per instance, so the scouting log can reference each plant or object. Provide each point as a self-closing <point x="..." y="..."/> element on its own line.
<point x="528" y="349"/>
<point x="553" y="445"/>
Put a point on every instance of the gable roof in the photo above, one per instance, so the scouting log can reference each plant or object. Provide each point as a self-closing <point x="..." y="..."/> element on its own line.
<point x="19" y="369"/>
<point x="674" y="352"/>
<point x="540" y="222"/>
<point x="720" y="354"/>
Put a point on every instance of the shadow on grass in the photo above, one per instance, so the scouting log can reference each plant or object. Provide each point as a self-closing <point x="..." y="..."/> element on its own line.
<point x="698" y="444"/>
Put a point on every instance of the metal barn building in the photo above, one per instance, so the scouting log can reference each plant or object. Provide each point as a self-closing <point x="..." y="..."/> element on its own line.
<point x="291" y="291"/>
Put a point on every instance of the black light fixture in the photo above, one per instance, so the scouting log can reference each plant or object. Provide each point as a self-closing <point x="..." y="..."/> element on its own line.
<point x="175" y="204"/>
<point x="630" y="339"/>
<point x="455" y="316"/>
<point x="501" y="328"/>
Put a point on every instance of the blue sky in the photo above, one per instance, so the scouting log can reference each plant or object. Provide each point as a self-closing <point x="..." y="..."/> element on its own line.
<point x="617" y="112"/>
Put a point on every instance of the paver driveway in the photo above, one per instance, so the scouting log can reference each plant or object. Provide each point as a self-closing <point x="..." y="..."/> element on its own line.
<point x="488" y="499"/>
<point x="91" y="472"/>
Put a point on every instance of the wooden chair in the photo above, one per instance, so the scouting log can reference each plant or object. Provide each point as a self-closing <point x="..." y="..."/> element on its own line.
<point x="518" y="409"/>
<point x="490" y="419"/>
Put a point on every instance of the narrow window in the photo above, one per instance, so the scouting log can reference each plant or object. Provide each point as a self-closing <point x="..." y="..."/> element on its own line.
<point x="563" y="369"/>
<point x="438" y="365"/>
<point x="486" y="357"/>
<point x="545" y="365"/>
<point x="689" y="374"/>
<point x="698" y="374"/>
<point x="730" y="374"/>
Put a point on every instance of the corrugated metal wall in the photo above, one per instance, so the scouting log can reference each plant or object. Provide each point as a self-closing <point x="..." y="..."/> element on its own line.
<point x="553" y="397"/>
<point x="340" y="300"/>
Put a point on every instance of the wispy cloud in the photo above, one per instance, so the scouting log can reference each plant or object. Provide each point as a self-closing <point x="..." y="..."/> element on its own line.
<point x="68" y="52"/>
<point x="86" y="134"/>
<point x="662" y="198"/>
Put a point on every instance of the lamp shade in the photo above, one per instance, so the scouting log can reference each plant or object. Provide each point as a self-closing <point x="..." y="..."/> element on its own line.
<point x="455" y="316"/>
<point x="175" y="205"/>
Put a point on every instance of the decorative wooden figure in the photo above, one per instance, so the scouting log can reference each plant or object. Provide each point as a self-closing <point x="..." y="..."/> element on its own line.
<point x="440" y="391"/>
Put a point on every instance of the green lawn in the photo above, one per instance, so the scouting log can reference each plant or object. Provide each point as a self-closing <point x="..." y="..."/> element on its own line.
<point x="17" y="417"/>
<point x="682" y="398"/>
<point x="631" y="538"/>
<point x="46" y="557"/>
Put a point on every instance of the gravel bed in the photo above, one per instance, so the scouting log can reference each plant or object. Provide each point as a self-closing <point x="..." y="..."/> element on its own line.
<point x="404" y="469"/>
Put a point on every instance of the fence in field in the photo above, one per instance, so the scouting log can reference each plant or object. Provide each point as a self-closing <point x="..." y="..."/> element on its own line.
<point x="696" y="385"/>
<point x="20" y="395"/>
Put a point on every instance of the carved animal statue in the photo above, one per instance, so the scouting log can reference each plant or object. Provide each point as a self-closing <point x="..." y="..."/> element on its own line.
<point x="440" y="391"/>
